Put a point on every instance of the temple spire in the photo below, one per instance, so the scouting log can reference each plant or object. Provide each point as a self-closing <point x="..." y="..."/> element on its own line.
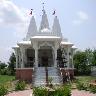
<point x="32" y="30"/>
<point x="44" y="22"/>
<point x="56" y="29"/>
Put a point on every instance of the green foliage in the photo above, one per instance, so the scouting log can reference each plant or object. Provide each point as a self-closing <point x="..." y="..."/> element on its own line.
<point x="20" y="85"/>
<point x="93" y="89"/>
<point x="6" y="78"/>
<point x="94" y="58"/>
<point x="3" y="90"/>
<point x="50" y="79"/>
<point x="12" y="64"/>
<point x="83" y="83"/>
<point x="2" y="65"/>
<point x="82" y="86"/>
<point x="63" y="91"/>
<point x="60" y="91"/>
<point x="83" y="62"/>
<point x="3" y="68"/>
<point x="39" y="91"/>
<point x="61" y="57"/>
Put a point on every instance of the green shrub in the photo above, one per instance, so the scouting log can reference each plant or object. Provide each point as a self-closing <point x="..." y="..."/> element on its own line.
<point x="63" y="91"/>
<point x="60" y="91"/>
<point x="82" y="86"/>
<point x="39" y="91"/>
<point x="20" y="85"/>
<point x="93" y="89"/>
<point x="3" y="90"/>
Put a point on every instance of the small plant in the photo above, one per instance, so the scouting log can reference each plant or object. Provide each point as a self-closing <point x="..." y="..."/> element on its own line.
<point x="50" y="82"/>
<point x="92" y="89"/>
<point x="63" y="91"/>
<point x="82" y="86"/>
<point x="59" y="91"/>
<point x="39" y="91"/>
<point x="3" y="90"/>
<point x="20" y="85"/>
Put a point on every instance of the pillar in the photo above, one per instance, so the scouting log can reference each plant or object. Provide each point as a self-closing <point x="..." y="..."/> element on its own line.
<point x="22" y="57"/>
<point x="36" y="57"/>
<point x="16" y="54"/>
<point x="55" y="61"/>
<point x="68" y="58"/>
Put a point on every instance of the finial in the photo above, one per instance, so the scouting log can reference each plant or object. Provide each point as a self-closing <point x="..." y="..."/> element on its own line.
<point x="43" y="8"/>
<point x="43" y="5"/>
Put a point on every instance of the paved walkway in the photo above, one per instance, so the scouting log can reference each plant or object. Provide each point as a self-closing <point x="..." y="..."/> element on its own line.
<point x="82" y="93"/>
<point x="29" y="93"/>
<point x="21" y="93"/>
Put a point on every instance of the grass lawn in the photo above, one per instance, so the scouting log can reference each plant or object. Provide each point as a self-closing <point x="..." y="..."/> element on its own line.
<point x="86" y="79"/>
<point x="6" y="78"/>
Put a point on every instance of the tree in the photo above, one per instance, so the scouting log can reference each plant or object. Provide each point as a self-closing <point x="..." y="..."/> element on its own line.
<point x="89" y="55"/>
<point x="94" y="58"/>
<point x="81" y="63"/>
<point x="12" y="63"/>
<point x="61" y="57"/>
<point x="3" y="68"/>
<point x="2" y="65"/>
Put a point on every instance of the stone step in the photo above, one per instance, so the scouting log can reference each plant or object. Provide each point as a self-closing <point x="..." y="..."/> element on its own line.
<point x="40" y="76"/>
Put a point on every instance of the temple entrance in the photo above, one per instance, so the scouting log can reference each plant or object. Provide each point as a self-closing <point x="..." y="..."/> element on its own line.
<point x="44" y="61"/>
<point x="45" y="57"/>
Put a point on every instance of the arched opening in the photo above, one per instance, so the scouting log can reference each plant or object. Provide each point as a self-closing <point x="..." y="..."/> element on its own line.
<point x="30" y="56"/>
<point x="45" y="56"/>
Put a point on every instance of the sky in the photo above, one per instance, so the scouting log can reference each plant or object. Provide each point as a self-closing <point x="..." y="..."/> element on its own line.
<point x="77" y="19"/>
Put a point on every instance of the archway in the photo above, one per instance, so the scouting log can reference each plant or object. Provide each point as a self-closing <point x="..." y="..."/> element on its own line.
<point x="30" y="56"/>
<point x="45" y="56"/>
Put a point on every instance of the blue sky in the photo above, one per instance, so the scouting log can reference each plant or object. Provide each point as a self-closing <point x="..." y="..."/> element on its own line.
<point x="77" y="19"/>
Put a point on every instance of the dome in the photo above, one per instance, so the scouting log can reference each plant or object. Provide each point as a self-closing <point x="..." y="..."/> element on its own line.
<point x="45" y="30"/>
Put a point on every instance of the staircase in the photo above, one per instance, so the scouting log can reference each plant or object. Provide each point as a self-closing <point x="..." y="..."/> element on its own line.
<point x="40" y="76"/>
<point x="54" y="73"/>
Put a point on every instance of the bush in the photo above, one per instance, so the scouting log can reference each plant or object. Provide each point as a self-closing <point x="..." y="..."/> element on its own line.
<point x="61" y="91"/>
<point x="20" y="85"/>
<point x="3" y="90"/>
<point x="39" y="91"/>
<point x="93" y="89"/>
<point x="82" y="86"/>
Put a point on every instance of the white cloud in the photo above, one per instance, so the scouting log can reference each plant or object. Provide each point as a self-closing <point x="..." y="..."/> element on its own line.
<point x="9" y="13"/>
<point x="81" y="17"/>
<point x="14" y="17"/>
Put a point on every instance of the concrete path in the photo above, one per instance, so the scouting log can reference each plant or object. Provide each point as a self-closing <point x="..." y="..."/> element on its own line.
<point x="82" y="93"/>
<point x="21" y="93"/>
<point x="29" y="93"/>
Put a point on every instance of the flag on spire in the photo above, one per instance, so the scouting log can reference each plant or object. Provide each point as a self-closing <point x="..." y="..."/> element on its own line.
<point x="31" y="11"/>
<point x="54" y="12"/>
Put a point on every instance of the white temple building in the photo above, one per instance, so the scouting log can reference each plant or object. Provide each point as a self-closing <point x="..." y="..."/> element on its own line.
<point x="39" y="49"/>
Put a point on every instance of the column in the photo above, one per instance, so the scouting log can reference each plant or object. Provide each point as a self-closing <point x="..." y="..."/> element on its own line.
<point x="36" y="57"/>
<point x="68" y="58"/>
<point x="22" y="57"/>
<point x="55" y="61"/>
<point x="72" y="58"/>
<point x="16" y="54"/>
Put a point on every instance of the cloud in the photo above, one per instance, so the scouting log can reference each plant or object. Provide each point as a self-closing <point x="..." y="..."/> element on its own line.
<point x="81" y="17"/>
<point x="15" y="18"/>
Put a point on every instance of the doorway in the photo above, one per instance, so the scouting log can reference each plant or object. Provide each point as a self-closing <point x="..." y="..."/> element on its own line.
<point x="44" y="61"/>
<point x="45" y="57"/>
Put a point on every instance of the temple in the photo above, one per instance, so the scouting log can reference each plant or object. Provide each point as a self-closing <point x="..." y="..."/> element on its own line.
<point x="41" y="48"/>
